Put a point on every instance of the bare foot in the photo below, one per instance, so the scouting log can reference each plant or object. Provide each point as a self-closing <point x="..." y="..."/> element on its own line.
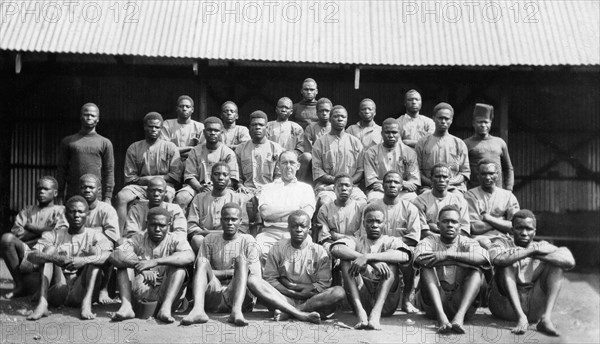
<point x="363" y="321"/>
<point x="409" y="308"/>
<point x="86" y="313"/>
<point x="280" y="316"/>
<point x="123" y="314"/>
<point x="313" y="317"/>
<point x="195" y="317"/>
<point x="546" y="326"/>
<point x="521" y="327"/>
<point x="164" y="317"/>
<point x="237" y="319"/>
<point x="374" y="325"/>
<point x="458" y="328"/>
<point x="103" y="297"/>
<point x="16" y="292"/>
<point x="445" y="329"/>
<point x="39" y="312"/>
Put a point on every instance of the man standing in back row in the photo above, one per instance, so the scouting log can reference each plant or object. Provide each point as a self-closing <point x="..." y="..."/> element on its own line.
<point x="86" y="152"/>
<point x="305" y="111"/>
<point x="413" y="125"/>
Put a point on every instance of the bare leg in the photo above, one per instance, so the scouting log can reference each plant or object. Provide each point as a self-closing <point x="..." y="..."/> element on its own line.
<point x="13" y="253"/>
<point x="507" y="279"/>
<point x="430" y="281"/>
<point x="385" y="285"/>
<point x="123" y="199"/>
<point x="41" y="310"/>
<point x="553" y="283"/>
<point x="202" y="275"/>
<point x="239" y="282"/>
<point x="471" y="286"/>
<point x="196" y="242"/>
<point x="124" y="284"/>
<point x="408" y="276"/>
<point x="324" y="301"/>
<point x="90" y="282"/>
<point x="103" y="297"/>
<point x="273" y="298"/>
<point x="352" y="289"/>
<point x="173" y="288"/>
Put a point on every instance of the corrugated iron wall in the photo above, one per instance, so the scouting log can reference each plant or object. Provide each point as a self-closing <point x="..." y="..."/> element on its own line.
<point x="564" y="110"/>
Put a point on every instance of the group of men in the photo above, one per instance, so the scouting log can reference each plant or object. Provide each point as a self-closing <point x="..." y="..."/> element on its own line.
<point x="299" y="213"/>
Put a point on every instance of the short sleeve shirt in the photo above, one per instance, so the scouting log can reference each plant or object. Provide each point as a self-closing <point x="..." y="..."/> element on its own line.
<point x="201" y="160"/>
<point x="221" y="253"/>
<point x="501" y="204"/>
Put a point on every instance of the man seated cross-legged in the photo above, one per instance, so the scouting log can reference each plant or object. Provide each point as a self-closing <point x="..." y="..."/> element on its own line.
<point x="528" y="276"/>
<point x="158" y="258"/>
<point x="222" y="266"/>
<point x="451" y="273"/>
<point x="71" y="257"/>
<point x="371" y="267"/>
<point x="299" y="274"/>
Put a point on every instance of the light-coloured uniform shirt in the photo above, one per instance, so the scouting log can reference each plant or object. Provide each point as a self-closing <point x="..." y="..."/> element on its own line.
<point x="201" y="160"/>
<point x="528" y="269"/>
<point x="401" y="220"/>
<point x="333" y="155"/>
<point x="49" y="216"/>
<point x="258" y="163"/>
<point x="104" y="217"/>
<point x="447" y="149"/>
<point x="182" y="135"/>
<point x="312" y="132"/>
<point x="344" y="220"/>
<point x="429" y="208"/>
<point x="137" y="217"/>
<point x="160" y="158"/>
<point x="205" y="211"/>
<point x="288" y="134"/>
<point x="235" y="135"/>
<point x="415" y="128"/>
<point x="146" y="249"/>
<point x="221" y="253"/>
<point x="310" y="264"/>
<point x="378" y="160"/>
<point x="501" y="204"/>
<point x="74" y="245"/>
<point x="362" y="244"/>
<point x="447" y="271"/>
<point x="291" y="196"/>
<point x="368" y="136"/>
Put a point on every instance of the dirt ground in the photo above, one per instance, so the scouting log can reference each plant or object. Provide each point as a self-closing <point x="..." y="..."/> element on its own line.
<point x="576" y="315"/>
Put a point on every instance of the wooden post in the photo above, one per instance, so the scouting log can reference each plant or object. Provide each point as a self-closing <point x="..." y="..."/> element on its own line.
<point x="503" y="120"/>
<point x="200" y="70"/>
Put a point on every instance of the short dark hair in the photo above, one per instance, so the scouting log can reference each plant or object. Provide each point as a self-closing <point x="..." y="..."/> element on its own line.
<point x="229" y="102"/>
<point x="391" y="172"/>
<point x="324" y="101"/>
<point x="485" y="161"/>
<point x="449" y="207"/>
<point x="151" y="116"/>
<point x="258" y="114"/>
<point x="341" y="176"/>
<point x="525" y="214"/>
<point x="185" y="97"/>
<point x="77" y="199"/>
<point x="439" y="165"/>
<point x="389" y="121"/>
<point x="214" y="120"/>
<point x="299" y="213"/>
<point x="220" y="164"/>
<point x="231" y="205"/>
<point x="373" y="207"/>
<point x="159" y="211"/>
<point x="90" y="176"/>
<point x="50" y="179"/>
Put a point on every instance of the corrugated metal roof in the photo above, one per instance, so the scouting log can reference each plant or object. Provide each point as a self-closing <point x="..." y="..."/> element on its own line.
<point x="401" y="33"/>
